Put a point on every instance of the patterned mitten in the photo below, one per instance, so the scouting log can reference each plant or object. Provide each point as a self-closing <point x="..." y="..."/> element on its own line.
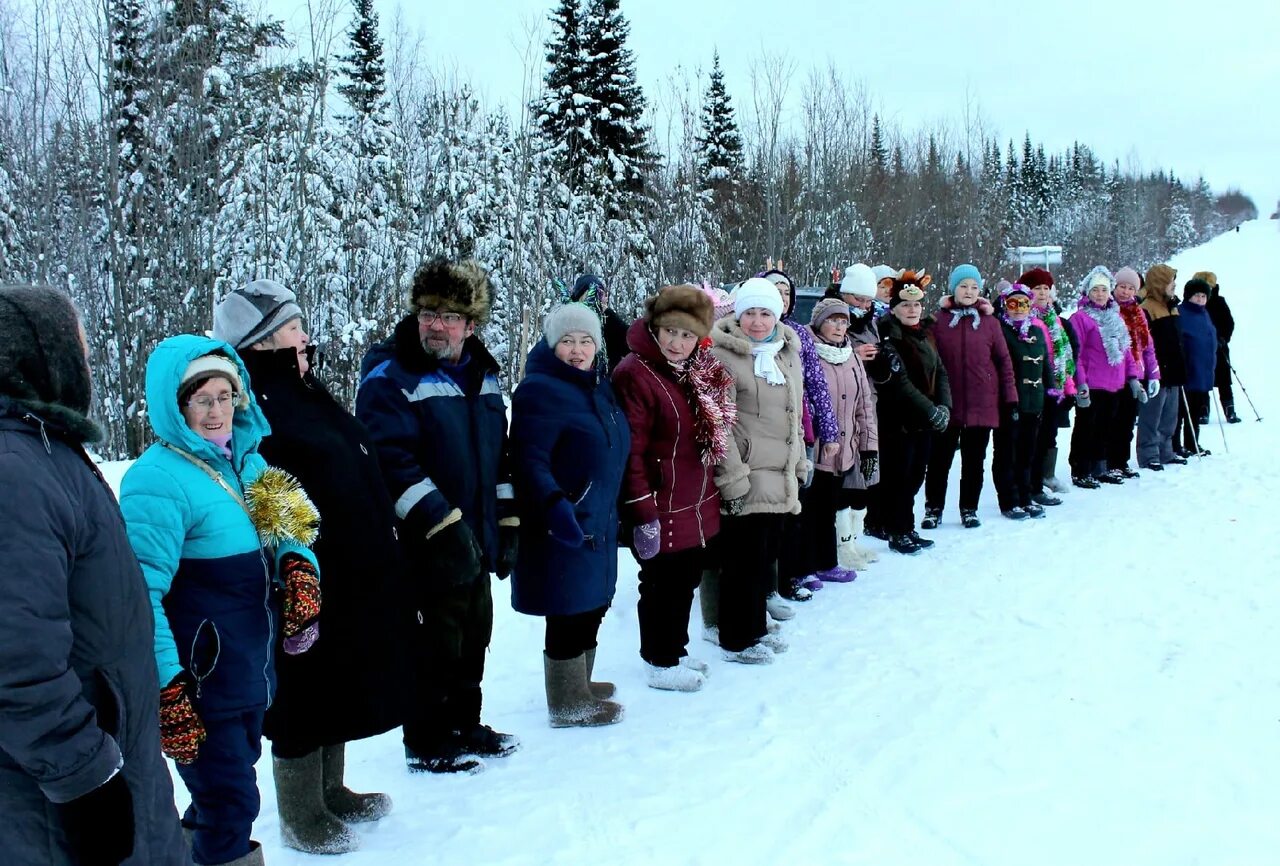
<point x="647" y="538"/>
<point x="181" y="731"/>
<point x="301" y="605"/>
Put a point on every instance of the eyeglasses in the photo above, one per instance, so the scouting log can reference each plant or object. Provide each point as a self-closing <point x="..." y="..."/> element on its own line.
<point x="450" y="320"/>
<point x="205" y="403"/>
<point x="1017" y="304"/>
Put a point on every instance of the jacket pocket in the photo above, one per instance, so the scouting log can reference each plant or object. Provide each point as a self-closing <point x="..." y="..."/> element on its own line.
<point x="206" y="646"/>
<point x="744" y="450"/>
<point x="110" y="706"/>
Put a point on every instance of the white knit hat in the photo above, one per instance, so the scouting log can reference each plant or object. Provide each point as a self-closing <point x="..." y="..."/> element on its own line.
<point x="883" y="271"/>
<point x="208" y="366"/>
<point x="859" y="281"/>
<point x="570" y="317"/>
<point x="756" y="292"/>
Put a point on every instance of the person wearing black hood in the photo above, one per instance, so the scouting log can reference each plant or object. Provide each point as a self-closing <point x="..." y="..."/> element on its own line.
<point x="1225" y="323"/>
<point x="82" y="778"/>
<point x="431" y="400"/>
<point x="348" y="686"/>
<point x="1200" y="347"/>
<point x="591" y="290"/>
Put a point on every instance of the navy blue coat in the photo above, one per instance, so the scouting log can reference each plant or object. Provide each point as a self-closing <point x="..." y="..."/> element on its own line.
<point x="79" y="696"/>
<point x="569" y="440"/>
<point x="1199" y="346"/>
<point x="441" y="446"/>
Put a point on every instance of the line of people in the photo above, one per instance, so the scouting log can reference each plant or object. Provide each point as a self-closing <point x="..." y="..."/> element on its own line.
<point x="278" y="566"/>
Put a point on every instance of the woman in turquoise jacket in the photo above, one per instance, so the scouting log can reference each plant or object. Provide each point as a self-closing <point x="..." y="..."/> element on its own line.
<point x="220" y="537"/>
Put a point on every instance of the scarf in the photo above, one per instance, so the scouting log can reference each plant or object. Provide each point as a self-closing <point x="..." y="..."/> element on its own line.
<point x="1022" y="329"/>
<point x="224" y="444"/>
<point x="1136" y="323"/>
<point x="709" y="386"/>
<point x="958" y="313"/>
<point x="1115" y="336"/>
<point x="766" y="358"/>
<point x="834" y="355"/>
<point x="1064" y="360"/>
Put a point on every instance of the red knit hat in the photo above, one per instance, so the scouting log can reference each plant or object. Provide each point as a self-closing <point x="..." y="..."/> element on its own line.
<point x="1036" y="277"/>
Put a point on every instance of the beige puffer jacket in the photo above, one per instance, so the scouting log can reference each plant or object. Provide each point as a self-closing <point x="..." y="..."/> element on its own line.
<point x="769" y="463"/>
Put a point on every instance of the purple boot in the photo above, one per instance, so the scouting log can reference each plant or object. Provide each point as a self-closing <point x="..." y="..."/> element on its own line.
<point x="812" y="582"/>
<point x="838" y="575"/>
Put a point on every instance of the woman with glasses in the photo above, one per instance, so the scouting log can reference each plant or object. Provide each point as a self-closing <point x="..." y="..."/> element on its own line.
<point x="348" y="686"/>
<point x="220" y="538"/>
<point x="1015" y="438"/>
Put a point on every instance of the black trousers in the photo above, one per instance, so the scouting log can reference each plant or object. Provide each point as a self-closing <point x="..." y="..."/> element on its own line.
<point x="1188" y="429"/>
<point x="749" y="545"/>
<point x="570" y="635"/>
<point x="1089" y="437"/>
<point x="903" y="459"/>
<point x="1120" y="438"/>
<point x="859" y="498"/>
<point x="1046" y="439"/>
<point x="809" y="538"/>
<point x="447" y="646"/>
<point x="667" y="583"/>
<point x="1222" y="378"/>
<point x="972" y="442"/>
<point x="1013" y="462"/>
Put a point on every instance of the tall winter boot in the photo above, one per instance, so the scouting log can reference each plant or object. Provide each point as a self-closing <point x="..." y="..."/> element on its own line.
<point x="253" y="858"/>
<point x="850" y="524"/>
<point x="345" y="804"/>
<point x="709" y="601"/>
<point x="601" y="690"/>
<point x="306" y="824"/>
<point x="1049" y="471"/>
<point x="569" y="700"/>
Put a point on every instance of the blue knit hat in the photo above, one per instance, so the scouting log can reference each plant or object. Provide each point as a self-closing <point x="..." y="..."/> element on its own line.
<point x="961" y="273"/>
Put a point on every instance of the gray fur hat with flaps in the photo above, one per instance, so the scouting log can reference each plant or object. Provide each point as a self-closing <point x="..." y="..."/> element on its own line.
<point x="457" y="287"/>
<point x="42" y="364"/>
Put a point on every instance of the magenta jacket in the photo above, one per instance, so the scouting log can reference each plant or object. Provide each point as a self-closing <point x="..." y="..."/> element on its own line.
<point x="977" y="364"/>
<point x="1094" y="365"/>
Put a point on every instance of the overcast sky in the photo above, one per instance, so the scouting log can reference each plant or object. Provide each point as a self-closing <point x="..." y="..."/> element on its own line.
<point x="1190" y="86"/>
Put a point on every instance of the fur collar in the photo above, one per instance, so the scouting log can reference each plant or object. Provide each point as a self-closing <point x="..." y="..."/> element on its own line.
<point x="728" y="333"/>
<point x="52" y="418"/>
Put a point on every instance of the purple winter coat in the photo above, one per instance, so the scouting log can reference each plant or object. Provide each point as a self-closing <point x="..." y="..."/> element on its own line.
<point x="977" y="364"/>
<point x="1093" y="366"/>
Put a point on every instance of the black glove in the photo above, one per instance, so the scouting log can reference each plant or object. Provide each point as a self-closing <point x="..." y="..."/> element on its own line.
<point x="455" y="553"/>
<point x="99" y="824"/>
<point x="868" y="464"/>
<point x="940" y="418"/>
<point x="508" y="545"/>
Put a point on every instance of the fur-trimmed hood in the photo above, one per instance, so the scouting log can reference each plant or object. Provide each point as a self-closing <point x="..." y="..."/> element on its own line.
<point x="729" y="334"/>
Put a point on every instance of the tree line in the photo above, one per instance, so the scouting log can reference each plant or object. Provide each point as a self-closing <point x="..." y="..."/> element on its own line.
<point x="155" y="155"/>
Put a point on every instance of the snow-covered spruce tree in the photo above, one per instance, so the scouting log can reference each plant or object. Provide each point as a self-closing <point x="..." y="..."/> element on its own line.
<point x="373" y="202"/>
<point x="10" y="252"/>
<point x="719" y="143"/>
<point x="564" y="110"/>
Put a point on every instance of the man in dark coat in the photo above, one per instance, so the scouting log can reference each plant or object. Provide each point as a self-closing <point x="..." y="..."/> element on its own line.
<point x="1225" y="324"/>
<point x="82" y="778"/>
<point x="350" y="684"/>
<point x="431" y="401"/>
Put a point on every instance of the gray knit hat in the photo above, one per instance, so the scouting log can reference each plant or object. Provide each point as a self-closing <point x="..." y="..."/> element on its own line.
<point x="567" y="318"/>
<point x="825" y="309"/>
<point x="253" y="313"/>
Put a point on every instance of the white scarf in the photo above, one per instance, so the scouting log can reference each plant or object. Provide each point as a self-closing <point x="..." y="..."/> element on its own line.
<point x="835" y="355"/>
<point x="766" y="356"/>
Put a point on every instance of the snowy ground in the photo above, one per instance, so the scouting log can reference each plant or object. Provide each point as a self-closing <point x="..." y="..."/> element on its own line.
<point x="1096" y="688"/>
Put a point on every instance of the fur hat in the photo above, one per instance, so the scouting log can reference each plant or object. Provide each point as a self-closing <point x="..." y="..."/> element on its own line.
<point x="42" y="363"/>
<point x="1208" y="276"/>
<point x="253" y="313"/>
<point x="570" y="317"/>
<point x="757" y="292"/>
<point x="1196" y="286"/>
<point x="825" y="309"/>
<point x="1036" y="277"/>
<point x="685" y="306"/>
<point x="961" y="273"/>
<point x="455" y="287"/>
<point x="908" y="287"/>
<point x="1160" y="279"/>
<point x="1129" y="277"/>
<point x="209" y="367"/>
<point x="859" y="281"/>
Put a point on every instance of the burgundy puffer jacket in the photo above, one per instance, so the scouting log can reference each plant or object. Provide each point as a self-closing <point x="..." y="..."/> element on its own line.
<point x="665" y="478"/>
<point x="977" y="364"/>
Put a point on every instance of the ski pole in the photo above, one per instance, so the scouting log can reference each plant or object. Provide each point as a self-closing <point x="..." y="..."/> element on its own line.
<point x="1245" y="390"/>
<point x="1191" y="425"/>
<point x="1222" y="428"/>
